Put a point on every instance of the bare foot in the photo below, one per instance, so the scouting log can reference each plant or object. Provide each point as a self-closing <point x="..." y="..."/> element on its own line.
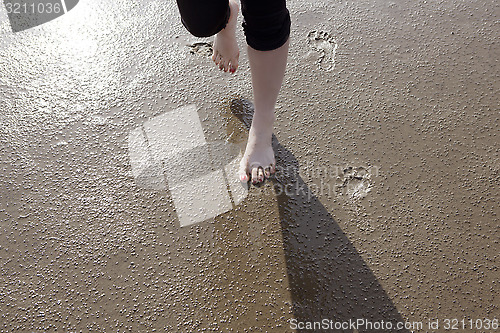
<point x="226" y="52"/>
<point x="258" y="161"/>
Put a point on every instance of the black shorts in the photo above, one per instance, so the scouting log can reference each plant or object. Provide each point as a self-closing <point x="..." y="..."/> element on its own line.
<point x="266" y="23"/>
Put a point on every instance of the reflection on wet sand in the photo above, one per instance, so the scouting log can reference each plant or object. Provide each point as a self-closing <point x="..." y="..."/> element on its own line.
<point x="328" y="278"/>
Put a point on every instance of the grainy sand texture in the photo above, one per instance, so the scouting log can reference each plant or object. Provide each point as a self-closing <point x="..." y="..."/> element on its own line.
<point x="119" y="141"/>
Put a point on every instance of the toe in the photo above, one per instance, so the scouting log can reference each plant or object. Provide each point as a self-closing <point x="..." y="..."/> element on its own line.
<point x="234" y="65"/>
<point x="243" y="178"/>
<point x="221" y="63"/>
<point x="216" y="57"/>
<point x="225" y="65"/>
<point x="255" y="176"/>
<point x="260" y="174"/>
<point x="267" y="172"/>
<point x="243" y="174"/>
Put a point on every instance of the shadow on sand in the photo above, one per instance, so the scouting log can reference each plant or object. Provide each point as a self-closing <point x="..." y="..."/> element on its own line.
<point x="328" y="277"/>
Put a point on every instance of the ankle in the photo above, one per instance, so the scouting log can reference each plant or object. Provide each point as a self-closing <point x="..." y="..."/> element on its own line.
<point x="264" y="117"/>
<point x="233" y="15"/>
<point x="262" y="127"/>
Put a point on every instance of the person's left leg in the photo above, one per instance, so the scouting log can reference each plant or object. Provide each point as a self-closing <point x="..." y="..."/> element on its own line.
<point x="226" y="52"/>
<point x="267" y="30"/>
<point x="204" y="18"/>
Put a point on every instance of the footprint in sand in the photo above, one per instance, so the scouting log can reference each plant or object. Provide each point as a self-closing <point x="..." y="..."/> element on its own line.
<point x="201" y="48"/>
<point x="323" y="43"/>
<point x="355" y="183"/>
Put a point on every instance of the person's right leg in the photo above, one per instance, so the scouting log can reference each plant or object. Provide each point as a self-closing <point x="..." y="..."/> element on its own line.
<point x="267" y="29"/>
<point x="204" y="18"/>
<point x="268" y="70"/>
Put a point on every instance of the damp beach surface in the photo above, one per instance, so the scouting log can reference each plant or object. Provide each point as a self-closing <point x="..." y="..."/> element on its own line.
<point x="384" y="206"/>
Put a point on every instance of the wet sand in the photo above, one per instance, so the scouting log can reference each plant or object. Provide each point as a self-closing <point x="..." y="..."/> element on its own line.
<point x="384" y="207"/>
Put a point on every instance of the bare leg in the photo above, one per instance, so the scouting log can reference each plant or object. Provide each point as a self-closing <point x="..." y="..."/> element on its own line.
<point x="226" y="52"/>
<point x="268" y="70"/>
